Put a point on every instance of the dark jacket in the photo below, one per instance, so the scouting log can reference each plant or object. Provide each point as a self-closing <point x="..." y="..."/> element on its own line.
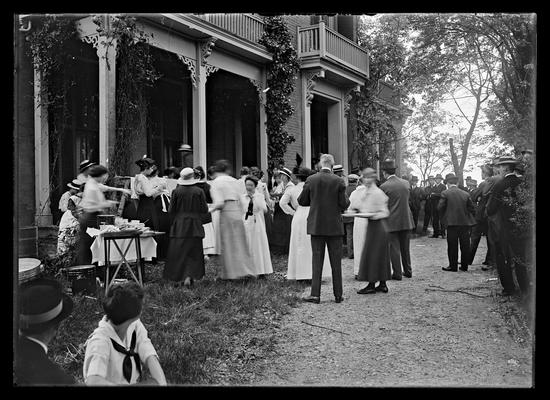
<point x="325" y="194"/>
<point x="437" y="190"/>
<point x="503" y="189"/>
<point x="206" y="218"/>
<point x="456" y="208"/>
<point x="398" y="192"/>
<point x="33" y="367"/>
<point x="416" y="197"/>
<point x="187" y="206"/>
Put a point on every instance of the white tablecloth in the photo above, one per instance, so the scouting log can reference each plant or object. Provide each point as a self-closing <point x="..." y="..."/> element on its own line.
<point x="148" y="250"/>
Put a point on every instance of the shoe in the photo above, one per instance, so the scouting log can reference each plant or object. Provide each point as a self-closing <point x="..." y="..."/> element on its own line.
<point x="449" y="269"/>
<point x="408" y="275"/>
<point x="464" y="269"/>
<point x="367" y="290"/>
<point x="312" y="299"/>
<point x="381" y="288"/>
<point x="396" y="278"/>
<point x="339" y="299"/>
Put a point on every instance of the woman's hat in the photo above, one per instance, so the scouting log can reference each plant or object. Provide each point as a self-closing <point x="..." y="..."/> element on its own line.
<point x="187" y="177"/>
<point x="507" y="160"/>
<point x="145" y="162"/>
<point x="75" y="184"/>
<point x="42" y="303"/>
<point x="84" y="165"/>
<point x="285" y="171"/>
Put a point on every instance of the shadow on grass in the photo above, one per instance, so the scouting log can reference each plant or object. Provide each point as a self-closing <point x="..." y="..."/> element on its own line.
<point x="210" y="334"/>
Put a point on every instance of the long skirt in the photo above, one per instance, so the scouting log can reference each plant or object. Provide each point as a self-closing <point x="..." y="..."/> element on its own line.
<point x="216" y="229"/>
<point x="300" y="253"/>
<point x="161" y="223"/>
<point x="375" y="258"/>
<point x="280" y="229"/>
<point x="86" y="220"/>
<point x="257" y="243"/>
<point x="236" y="259"/>
<point x="185" y="259"/>
<point x="146" y="210"/>
<point x="209" y="240"/>
<point x="359" y="234"/>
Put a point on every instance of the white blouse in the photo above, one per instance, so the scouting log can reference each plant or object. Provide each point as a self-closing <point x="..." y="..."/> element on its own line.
<point x="290" y="198"/>
<point x="370" y="200"/>
<point x="146" y="186"/>
<point x="259" y="205"/>
<point x="93" y="199"/>
<point x="103" y="360"/>
<point x="224" y="188"/>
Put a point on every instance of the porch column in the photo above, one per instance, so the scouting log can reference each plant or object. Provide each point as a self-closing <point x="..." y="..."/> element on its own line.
<point x="107" y="99"/>
<point x="43" y="215"/>
<point x="263" y="125"/>
<point x="199" y="112"/>
<point x="306" y="121"/>
<point x="344" y="136"/>
<point x="238" y="133"/>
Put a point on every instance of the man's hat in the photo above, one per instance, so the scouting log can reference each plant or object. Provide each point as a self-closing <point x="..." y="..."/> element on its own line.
<point x="528" y="151"/>
<point x="507" y="160"/>
<point x="473" y="182"/>
<point x="75" y="184"/>
<point x="414" y="178"/>
<point x="187" y="177"/>
<point x="286" y="172"/>
<point x="438" y="176"/>
<point x="42" y="303"/>
<point x="353" y="177"/>
<point x="337" y="168"/>
<point x="431" y="177"/>
<point x="388" y="164"/>
<point x="450" y="177"/>
<point x="84" y="165"/>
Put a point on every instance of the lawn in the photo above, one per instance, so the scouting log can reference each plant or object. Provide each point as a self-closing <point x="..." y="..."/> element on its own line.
<point x="210" y="334"/>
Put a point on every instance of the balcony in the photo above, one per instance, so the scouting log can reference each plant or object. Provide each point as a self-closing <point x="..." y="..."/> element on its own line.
<point x="246" y="26"/>
<point x="319" y="46"/>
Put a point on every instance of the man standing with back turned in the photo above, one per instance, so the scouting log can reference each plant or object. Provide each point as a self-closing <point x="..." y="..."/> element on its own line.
<point x="325" y="193"/>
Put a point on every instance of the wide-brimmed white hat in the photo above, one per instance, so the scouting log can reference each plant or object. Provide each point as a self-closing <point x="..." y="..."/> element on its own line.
<point x="187" y="177"/>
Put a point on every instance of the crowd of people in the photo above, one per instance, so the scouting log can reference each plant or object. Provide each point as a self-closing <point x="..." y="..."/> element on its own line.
<point x="308" y="214"/>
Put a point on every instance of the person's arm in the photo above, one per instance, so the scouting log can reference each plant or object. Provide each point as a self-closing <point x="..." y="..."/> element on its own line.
<point x="284" y="202"/>
<point x="203" y="204"/>
<point x="442" y="204"/>
<point x="217" y="198"/>
<point x="304" y="199"/>
<point x="343" y="201"/>
<point x="173" y="207"/>
<point x="105" y="188"/>
<point x="153" y="364"/>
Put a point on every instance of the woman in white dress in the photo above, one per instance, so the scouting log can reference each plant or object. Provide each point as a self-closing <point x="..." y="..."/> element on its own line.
<point x="254" y="207"/>
<point x="357" y="202"/>
<point x="226" y="195"/>
<point x="299" y="254"/>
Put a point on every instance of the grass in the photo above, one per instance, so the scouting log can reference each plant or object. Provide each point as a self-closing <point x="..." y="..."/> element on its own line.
<point x="211" y="334"/>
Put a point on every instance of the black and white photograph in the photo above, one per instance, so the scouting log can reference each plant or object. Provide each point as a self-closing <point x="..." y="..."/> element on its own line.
<point x="267" y="200"/>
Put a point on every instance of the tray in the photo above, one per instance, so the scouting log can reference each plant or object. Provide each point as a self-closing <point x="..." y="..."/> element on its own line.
<point x="121" y="234"/>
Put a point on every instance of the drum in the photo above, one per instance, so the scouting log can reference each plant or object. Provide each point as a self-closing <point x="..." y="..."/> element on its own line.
<point x="82" y="279"/>
<point x="29" y="269"/>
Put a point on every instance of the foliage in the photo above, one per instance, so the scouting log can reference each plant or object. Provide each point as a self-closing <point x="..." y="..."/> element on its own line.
<point x="49" y="47"/>
<point x="135" y="73"/>
<point x="523" y="204"/>
<point x="281" y="75"/>
<point x="54" y="264"/>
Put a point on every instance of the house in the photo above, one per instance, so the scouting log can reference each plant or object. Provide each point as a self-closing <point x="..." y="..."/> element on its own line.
<point x="210" y="96"/>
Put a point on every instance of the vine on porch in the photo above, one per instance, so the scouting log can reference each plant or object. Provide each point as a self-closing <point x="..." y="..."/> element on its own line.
<point x="134" y="76"/>
<point x="281" y="76"/>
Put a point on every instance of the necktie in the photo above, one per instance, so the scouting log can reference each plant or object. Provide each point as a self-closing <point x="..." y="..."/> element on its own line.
<point x="127" y="363"/>
<point x="250" y="208"/>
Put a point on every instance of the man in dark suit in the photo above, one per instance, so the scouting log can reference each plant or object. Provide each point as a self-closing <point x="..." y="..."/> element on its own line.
<point x="325" y="194"/>
<point x="400" y="221"/>
<point x="435" y="195"/>
<point x="508" y="247"/>
<point x="457" y="210"/>
<point x="428" y="204"/>
<point x="42" y="307"/>
<point x="416" y="197"/>
<point x="479" y="198"/>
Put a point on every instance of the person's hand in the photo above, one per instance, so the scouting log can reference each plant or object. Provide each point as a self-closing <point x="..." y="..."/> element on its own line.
<point x="112" y="202"/>
<point x="127" y="191"/>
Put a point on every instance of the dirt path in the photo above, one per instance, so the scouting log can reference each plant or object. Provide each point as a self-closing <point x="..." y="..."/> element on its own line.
<point x="412" y="336"/>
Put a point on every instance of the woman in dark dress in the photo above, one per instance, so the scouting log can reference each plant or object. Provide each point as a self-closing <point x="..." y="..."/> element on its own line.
<point x="281" y="225"/>
<point x="146" y="191"/>
<point x="185" y="254"/>
<point x="375" y="257"/>
<point x="160" y="216"/>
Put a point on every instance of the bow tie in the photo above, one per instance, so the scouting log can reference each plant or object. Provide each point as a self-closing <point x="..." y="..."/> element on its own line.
<point x="127" y="363"/>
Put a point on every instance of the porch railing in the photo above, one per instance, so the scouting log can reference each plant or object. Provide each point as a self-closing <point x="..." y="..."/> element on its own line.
<point x="246" y="26"/>
<point x="318" y="40"/>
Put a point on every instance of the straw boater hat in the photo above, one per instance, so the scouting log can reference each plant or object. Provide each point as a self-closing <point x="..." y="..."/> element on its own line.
<point x="285" y="171"/>
<point x="42" y="304"/>
<point x="84" y="165"/>
<point x="353" y="177"/>
<point x="187" y="177"/>
<point x="75" y="184"/>
<point x="337" y="168"/>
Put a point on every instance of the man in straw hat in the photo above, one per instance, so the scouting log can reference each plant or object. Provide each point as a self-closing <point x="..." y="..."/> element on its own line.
<point x="457" y="210"/>
<point x="400" y="221"/>
<point x="509" y="249"/>
<point x="42" y="307"/>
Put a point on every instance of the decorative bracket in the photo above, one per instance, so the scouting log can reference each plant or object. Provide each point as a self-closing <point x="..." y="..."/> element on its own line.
<point x="348" y="96"/>
<point x="259" y="89"/>
<point x="209" y="69"/>
<point x="92" y="39"/>
<point x="206" y="49"/>
<point x="310" y="84"/>
<point x="190" y="63"/>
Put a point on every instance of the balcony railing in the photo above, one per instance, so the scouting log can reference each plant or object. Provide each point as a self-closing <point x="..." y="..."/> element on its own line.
<point x="318" y="40"/>
<point x="246" y="26"/>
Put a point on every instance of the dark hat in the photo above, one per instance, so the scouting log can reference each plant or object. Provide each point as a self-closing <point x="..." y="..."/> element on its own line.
<point x="388" y="164"/>
<point x="414" y="178"/>
<point x="285" y="171"/>
<point x="145" y="162"/>
<point x="450" y="177"/>
<point x="431" y="177"/>
<point x="529" y="151"/>
<point x="507" y="160"/>
<point x="438" y="176"/>
<point x="42" y="304"/>
<point x="337" y="168"/>
<point x="84" y="165"/>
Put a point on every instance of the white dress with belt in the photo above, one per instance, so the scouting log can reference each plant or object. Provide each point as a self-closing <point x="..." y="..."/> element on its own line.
<point x="256" y="235"/>
<point x="357" y="200"/>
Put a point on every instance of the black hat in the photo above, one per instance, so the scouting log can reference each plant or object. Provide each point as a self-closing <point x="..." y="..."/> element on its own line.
<point x="438" y="176"/>
<point x="450" y="177"/>
<point x="431" y="177"/>
<point x="388" y="164"/>
<point x="42" y="304"/>
<point x="84" y="165"/>
<point x="414" y="178"/>
<point x="286" y="172"/>
<point x="528" y="151"/>
<point x="145" y="162"/>
<point x="507" y="160"/>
